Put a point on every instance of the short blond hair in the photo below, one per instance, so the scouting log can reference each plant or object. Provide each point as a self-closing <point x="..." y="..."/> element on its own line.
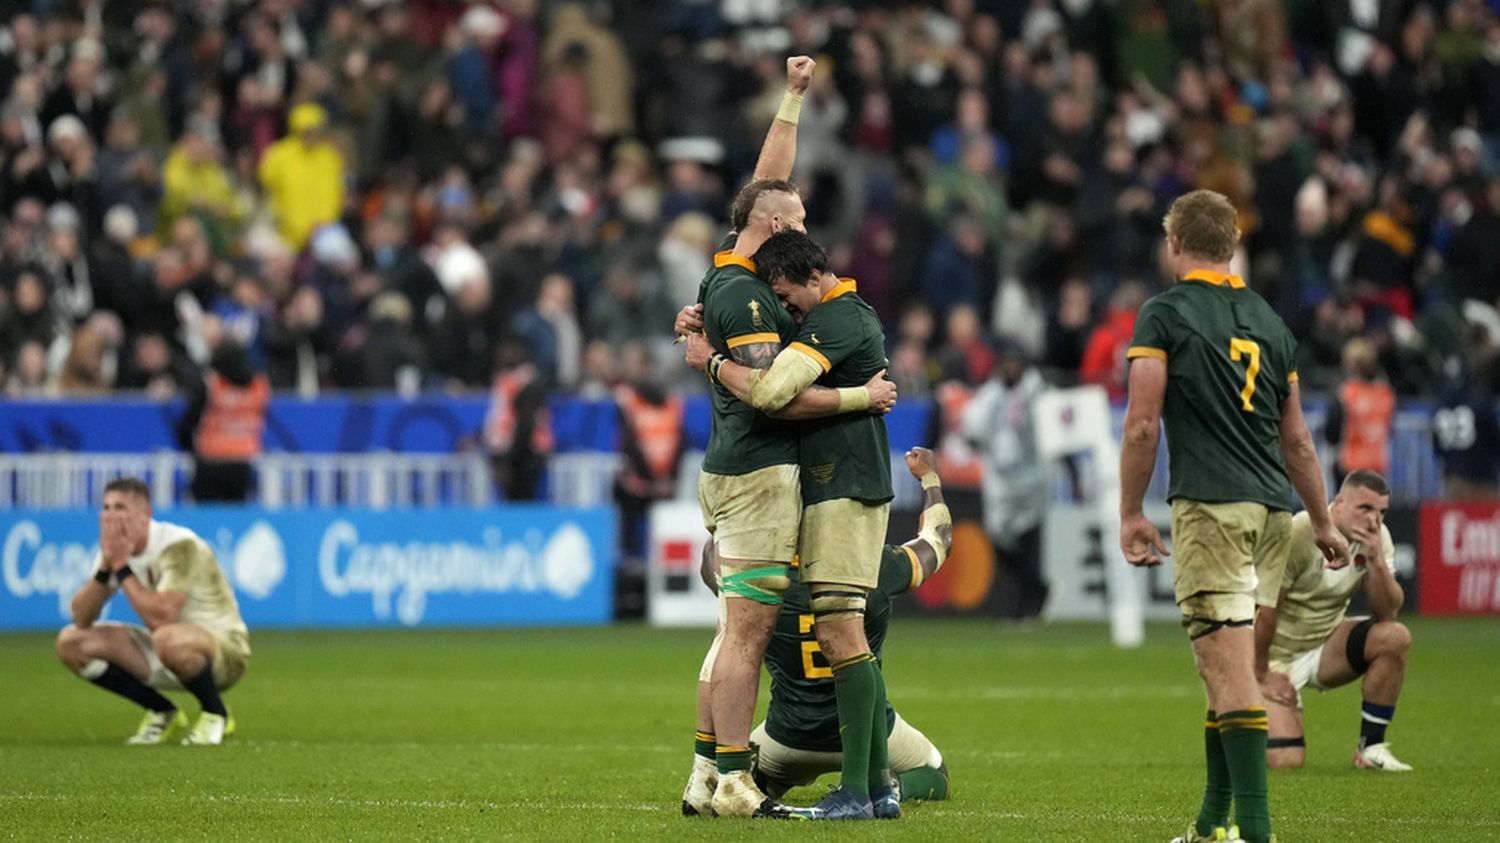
<point x="1203" y="221"/>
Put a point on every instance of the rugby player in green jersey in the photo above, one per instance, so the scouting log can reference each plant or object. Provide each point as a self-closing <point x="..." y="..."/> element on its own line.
<point x="846" y="493"/>
<point x="748" y="487"/>
<point x="1214" y="362"/>
<point x="799" y="740"/>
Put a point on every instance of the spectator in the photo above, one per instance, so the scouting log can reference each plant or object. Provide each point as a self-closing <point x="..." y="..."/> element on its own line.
<point x="960" y="269"/>
<point x="999" y="423"/>
<point x="155" y="369"/>
<point x="30" y="318"/>
<point x="1464" y="427"/>
<point x="966" y="348"/>
<point x="1104" y="360"/>
<point x="303" y="176"/>
<point x="379" y="351"/>
<point x="195" y="181"/>
<point x="1068" y="329"/>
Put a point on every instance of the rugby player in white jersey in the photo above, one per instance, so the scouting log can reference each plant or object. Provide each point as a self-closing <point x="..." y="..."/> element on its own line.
<point x="1304" y="638"/>
<point x="193" y="638"/>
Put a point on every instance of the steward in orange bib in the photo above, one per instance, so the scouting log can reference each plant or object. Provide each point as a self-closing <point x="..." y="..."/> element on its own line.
<point x="223" y="425"/>
<point x="651" y="441"/>
<point x="1360" y="416"/>
<point x="518" y="426"/>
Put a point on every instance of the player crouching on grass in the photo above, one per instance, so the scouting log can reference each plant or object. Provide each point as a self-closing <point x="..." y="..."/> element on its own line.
<point x="799" y="739"/>
<point x="1303" y="639"/>
<point x="194" y="639"/>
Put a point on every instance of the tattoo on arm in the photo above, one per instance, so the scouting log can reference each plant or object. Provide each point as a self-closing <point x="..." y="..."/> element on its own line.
<point x="756" y="355"/>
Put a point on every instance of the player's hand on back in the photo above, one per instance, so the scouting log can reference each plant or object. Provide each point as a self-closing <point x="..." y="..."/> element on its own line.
<point x="699" y="349"/>
<point x="799" y="72"/>
<point x="882" y="393"/>
<point x="1332" y="543"/>
<point x="689" y="321"/>
<point x="921" y="462"/>
<point x="1141" y="542"/>
<point x="1277" y="688"/>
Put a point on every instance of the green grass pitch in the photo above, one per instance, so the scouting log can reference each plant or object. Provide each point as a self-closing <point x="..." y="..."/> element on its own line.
<point x="586" y="734"/>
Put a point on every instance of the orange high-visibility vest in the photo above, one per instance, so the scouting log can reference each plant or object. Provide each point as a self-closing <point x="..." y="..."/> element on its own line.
<point x="500" y="424"/>
<point x="1369" y="407"/>
<point x="658" y="428"/>
<point x="233" y="419"/>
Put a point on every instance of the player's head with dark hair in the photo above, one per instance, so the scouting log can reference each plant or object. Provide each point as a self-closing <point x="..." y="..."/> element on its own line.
<point x="1367" y="479"/>
<point x="774" y="201"/>
<point x="793" y="265"/>
<point x="1202" y="225"/>
<point x="791" y="255"/>
<point x="130" y="486"/>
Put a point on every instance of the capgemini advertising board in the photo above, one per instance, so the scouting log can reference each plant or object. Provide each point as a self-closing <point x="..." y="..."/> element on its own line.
<point x="503" y="566"/>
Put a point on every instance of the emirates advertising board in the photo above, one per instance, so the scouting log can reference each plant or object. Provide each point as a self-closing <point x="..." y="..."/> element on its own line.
<point x="1459" y="573"/>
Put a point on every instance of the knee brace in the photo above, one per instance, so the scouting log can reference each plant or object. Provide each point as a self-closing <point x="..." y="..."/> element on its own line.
<point x="1354" y="648"/>
<point x="763" y="583"/>
<point x="832" y="602"/>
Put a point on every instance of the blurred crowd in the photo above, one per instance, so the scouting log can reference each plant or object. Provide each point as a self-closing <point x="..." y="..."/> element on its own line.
<point x="381" y="194"/>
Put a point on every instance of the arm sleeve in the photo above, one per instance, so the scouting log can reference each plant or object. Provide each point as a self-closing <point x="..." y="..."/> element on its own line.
<point x="792" y="371"/>
<point x="1152" y="337"/>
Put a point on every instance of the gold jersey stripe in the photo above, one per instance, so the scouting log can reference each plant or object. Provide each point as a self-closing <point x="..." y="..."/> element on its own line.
<point x="916" y="566"/>
<point x="814" y="354"/>
<point x="748" y="339"/>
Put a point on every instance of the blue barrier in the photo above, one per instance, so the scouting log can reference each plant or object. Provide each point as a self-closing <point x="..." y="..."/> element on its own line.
<point x="348" y="424"/>
<point x="512" y="566"/>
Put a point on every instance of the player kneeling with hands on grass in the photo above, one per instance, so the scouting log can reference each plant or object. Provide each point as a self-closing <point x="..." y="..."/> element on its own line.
<point x="193" y="640"/>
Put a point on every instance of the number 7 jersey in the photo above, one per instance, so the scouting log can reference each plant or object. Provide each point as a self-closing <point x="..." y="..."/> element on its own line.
<point x="1231" y="363"/>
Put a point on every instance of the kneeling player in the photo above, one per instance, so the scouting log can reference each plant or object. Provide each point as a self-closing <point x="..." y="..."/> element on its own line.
<point x="194" y="639"/>
<point x="1303" y="638"/>
<point x="799" y="741"/>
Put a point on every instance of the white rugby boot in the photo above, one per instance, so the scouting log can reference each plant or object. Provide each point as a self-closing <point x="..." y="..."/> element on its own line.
<point x="698" y="796"/>
<point x="737" y="796"/>
<point x="1377" y="756"/>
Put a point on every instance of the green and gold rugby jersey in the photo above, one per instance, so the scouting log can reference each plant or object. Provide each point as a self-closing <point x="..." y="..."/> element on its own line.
<point x="1230" y="366"/>
<point x="848" y="455"/>
<point x="803" y="713"/>
<point x="740" y="309"/>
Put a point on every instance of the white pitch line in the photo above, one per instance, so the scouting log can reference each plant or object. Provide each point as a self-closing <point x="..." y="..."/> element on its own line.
<point x="341" y="801"/>
<point x="1007" y="692"/>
